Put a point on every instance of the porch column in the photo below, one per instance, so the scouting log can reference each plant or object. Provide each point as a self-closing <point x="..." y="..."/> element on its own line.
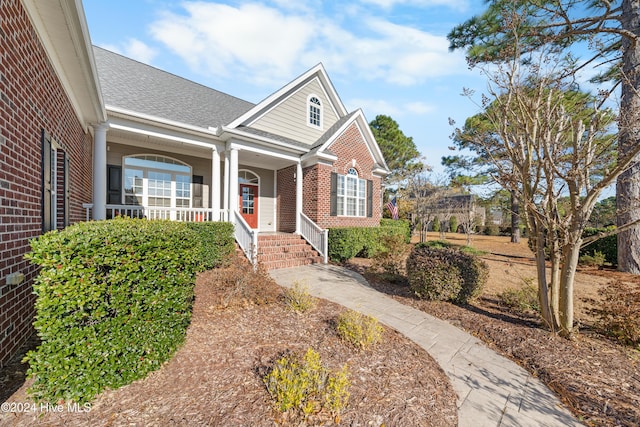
<point x="298" y="195"/>
<point x="225" y="200"/>
<point x="100" y="171"/>
<point x="233" y="183"/>
<point x="215" y="184"/>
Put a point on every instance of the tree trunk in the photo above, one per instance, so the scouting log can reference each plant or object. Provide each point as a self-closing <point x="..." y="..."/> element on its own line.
<point x="515" y="218"/>
<point x="571" y="255"/>
<point x="628" y="184"/>
<point x="543" y="288"/>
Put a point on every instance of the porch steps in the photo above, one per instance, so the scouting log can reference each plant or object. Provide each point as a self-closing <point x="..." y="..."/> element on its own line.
<point x="283" y="250"/>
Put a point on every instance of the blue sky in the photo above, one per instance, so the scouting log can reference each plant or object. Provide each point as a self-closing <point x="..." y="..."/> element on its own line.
<point x="384" y="56"/>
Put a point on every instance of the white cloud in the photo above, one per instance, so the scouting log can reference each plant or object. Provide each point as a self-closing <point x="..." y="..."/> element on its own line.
<point x="374" y="107"/>
<point x="250" y="41"/>
<point x="388" y="4"/>
<point x="263" y="45"/>
<point x="135" y="49"/>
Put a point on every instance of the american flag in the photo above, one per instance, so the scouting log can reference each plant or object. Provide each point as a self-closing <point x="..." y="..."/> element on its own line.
<point x="393" y="208"/>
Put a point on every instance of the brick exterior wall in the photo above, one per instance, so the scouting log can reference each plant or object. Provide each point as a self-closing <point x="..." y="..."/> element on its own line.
<point x="31" y="99"/>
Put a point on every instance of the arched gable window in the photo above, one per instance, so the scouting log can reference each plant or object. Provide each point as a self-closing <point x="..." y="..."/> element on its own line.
<point x="314" y="108"/>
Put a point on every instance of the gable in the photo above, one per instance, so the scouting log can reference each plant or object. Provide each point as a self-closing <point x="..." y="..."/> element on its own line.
<point x="289" y="118"/>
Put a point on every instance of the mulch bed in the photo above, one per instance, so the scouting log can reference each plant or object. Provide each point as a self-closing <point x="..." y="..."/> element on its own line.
<point x="599" y="380"/>
<point x="216" y="377"/>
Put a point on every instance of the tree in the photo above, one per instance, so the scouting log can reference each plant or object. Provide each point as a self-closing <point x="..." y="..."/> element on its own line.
<point x="423" y="192"/>
<point x="610" y="31"/>
<point x="399" y="150"/>
<point x="552" y="146"/>
<point x="604" y="213"/>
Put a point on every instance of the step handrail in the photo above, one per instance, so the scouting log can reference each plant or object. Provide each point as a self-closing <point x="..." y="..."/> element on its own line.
<point x="247" y="239"/>
<point x="317" y="237"/>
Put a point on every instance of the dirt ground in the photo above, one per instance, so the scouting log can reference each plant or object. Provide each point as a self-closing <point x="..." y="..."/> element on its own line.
<point x="598" y="379"/>
<point x="215" y="379"/>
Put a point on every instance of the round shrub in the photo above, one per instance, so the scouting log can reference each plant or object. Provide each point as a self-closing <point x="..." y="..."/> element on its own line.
<point x="113" y="302"/>
<point x="445" y="274"/>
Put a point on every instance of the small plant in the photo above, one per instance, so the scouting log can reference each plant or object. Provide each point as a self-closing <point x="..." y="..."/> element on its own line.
<point x="597" y="259"/>
<point x="358" y="329"/>
<point x="618" y="312"/>
<point x="524" y="299"/>
<point x="298" y="299"/>
<point x="302" y="388"/>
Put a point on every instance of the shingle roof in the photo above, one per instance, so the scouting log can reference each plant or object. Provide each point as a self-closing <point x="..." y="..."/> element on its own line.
<point x="138" y="87"/>
<point x="259" y="132"/>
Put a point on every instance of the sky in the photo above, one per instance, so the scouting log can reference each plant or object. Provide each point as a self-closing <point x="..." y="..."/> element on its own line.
<point x="387" y="57"/>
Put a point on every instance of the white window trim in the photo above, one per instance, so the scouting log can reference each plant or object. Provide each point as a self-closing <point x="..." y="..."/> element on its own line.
<point x="320" y="113"/>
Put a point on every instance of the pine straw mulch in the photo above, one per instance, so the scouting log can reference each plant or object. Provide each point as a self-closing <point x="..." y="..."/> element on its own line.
<point x="598" y="380"/>
<point x="236" y="333"/>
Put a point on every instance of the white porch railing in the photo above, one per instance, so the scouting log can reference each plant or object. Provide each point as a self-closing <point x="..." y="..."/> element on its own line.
<point x="316" y="236"/>
<point x="247" y="239"/>
<point x="175" y="214"/>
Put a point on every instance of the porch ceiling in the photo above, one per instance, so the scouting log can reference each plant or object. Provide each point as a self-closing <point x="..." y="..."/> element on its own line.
<point x="263" y="161"/>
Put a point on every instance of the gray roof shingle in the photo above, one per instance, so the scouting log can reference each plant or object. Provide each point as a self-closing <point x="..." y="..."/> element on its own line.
<point x="138" y="87"/>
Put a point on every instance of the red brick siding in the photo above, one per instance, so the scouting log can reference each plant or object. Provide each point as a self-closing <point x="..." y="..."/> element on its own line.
<point x="317" y="182"/>
<point x="31" y="99"/>
<point x="286" y="199"/>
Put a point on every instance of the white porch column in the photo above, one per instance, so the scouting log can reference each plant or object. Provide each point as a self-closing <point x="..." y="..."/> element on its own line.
<point x="100" y="171"/>
<point x="233" y="183"/>
<point x="215" y="184"/>
<point x="298" y="195"/>
<point x="225" y="200"/>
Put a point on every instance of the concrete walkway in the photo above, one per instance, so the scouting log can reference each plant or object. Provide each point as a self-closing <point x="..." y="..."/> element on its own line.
<point x="492" y="390"/>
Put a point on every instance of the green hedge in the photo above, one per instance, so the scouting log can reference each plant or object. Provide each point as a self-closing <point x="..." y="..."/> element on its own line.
<point x="348" y="242"/>
<point x="113" y="302"/>
<point x="402" y="224"/>
<point x="608" y="246"/>
<point x="217" y="243"/>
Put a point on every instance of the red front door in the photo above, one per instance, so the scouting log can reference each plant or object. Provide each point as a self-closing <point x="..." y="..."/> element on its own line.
<point x="249" y="204"/>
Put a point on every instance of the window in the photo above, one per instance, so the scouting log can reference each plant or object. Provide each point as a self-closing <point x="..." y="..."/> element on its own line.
<point x="350" y="194"/>
<point x="156" y="181"/>
<point x="315" y="112"/>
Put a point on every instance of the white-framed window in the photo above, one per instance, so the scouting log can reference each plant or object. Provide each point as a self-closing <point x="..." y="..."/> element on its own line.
<point x="156" y="181"/>
<point x="314" y="109"/>
<point x="352" y="194"/>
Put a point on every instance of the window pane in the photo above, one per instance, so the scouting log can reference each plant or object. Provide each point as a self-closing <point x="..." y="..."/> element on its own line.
<point x="361" y="188"/>
<point x="351" y="207"/>
<point x="361" y="207"/>
<point x="340" y="205"/>
<point x="341" y="190"/>
<point x="351" y="187"/>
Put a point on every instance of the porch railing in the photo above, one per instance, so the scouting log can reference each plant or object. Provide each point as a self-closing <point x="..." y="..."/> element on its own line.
<point x="316" y="236"/>
<point x="247" y="239"/>
<point x="175" y="214"/>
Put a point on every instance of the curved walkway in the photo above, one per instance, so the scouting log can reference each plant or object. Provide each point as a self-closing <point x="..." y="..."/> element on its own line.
<point x="492" y="390"/>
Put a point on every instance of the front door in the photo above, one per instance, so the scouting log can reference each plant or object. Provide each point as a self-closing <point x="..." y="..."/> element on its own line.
<point x="249" y="204"/>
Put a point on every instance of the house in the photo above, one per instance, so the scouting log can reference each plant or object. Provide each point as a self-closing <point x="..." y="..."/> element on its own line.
<point x="49" y="101"/>
<point x="175" y="149"/>
<point x="86" y="133"/>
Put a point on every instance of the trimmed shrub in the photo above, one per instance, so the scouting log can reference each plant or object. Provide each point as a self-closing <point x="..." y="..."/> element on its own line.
<point x="403" y="224"/>
<point x="596" y="260"/>
<point x="445" y="274"/>
<point x="358" y="329"/>
<point x="618" y="312"/>
<point x="305" y="390"/>
<point x="391" y="260"/>
<point x="113" y="303"/>
<point x="348" y="242"/>
<point x="453" y="224"/>
<point x="217" y="243"/>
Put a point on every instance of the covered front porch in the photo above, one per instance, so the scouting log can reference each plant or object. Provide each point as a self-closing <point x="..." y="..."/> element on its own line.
<point x="142" y="173"/>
